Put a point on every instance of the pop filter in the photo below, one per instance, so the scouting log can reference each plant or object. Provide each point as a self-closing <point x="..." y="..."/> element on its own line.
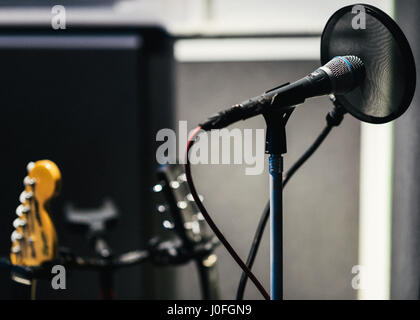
<point x="389" y="83"/>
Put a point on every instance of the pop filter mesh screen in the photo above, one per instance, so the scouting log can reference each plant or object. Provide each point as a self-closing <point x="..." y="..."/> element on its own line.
<point x="388" y="86"/>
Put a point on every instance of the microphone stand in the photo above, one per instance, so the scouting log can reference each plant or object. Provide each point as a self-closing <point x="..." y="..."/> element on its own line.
<point x="276" y="146"/>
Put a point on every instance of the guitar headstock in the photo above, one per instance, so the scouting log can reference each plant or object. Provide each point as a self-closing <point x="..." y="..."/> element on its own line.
<point x="185" y="217"/>
<point x="34" y="239"/>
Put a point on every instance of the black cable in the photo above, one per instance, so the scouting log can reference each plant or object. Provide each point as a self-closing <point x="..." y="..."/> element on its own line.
<point x="333" y="119"/>
<point x="210" y="222"/>
<point x="253" y="251"/>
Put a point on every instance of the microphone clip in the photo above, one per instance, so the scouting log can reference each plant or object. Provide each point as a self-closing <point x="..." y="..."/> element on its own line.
<point x="336" y="115"/>
<point x="275" y="139"/>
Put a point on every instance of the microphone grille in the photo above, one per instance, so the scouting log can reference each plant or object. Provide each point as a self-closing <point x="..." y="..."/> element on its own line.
<point x="347" y="72"/>
<point x="356" y="62"/>
<point x="338" y="67"/>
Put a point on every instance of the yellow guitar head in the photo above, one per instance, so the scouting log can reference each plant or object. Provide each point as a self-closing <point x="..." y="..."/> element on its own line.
<point x="34" y="239"/>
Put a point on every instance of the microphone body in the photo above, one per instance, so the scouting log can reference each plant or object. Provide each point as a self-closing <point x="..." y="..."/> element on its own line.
<point x="340" y="75"/>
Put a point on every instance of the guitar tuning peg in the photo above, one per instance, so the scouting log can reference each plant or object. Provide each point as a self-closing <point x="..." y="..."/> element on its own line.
<point x="181" y="204"/>
<point x="161" y="208"/>
<point x="157" y="188"/>
<point x="174" y="184"/>
<point x="21" y="209"/>
<point x="16" y="236"/>
<point x="168" y="225"/>
<point x="30" y="166"/>
<point x="191" y="198"/>
<point x="182" y="178"/>
<point x="192" y="225"/>
<point x="28" y="181"/>
<point x="16" y="249"/>
<point x="19" y="223"/>
<point x="25" y="196"/>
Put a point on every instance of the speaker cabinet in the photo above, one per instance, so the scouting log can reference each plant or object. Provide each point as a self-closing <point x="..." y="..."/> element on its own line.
<point x="91" y="100"/>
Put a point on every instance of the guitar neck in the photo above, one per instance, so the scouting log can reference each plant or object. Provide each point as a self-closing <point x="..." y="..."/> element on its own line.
<point x="188" y="223"/>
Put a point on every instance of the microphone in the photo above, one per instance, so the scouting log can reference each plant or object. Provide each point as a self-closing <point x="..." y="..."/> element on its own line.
<point x="340" y="75"/>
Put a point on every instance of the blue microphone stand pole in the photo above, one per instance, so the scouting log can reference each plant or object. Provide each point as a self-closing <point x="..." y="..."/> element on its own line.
<point x="276" y="147"/>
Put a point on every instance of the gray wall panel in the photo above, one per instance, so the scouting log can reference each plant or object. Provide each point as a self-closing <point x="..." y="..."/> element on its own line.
<point x="406" y="201"/>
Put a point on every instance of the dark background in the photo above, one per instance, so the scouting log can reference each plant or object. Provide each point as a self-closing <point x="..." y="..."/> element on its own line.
<point x="92" y="111"/>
